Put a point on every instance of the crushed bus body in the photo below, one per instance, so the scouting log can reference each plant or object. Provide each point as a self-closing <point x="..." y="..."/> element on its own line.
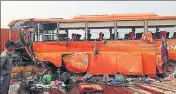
<point x="102" y="45"/>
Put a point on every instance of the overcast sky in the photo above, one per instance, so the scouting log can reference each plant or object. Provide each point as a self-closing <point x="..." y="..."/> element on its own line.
<point x="11" y="10"/>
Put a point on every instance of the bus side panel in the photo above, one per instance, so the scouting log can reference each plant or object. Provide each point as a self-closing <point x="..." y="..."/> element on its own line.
<point x="149" y="63"/>
<point x="159" y="63"/>
<point x="171" y="48"/>
<point x="46" y="52"/>
<point x="172" y="55"/>
<point x="77" y="62"/>
<point x="54" y="58"/>
<point x="103" y="64"/>
<point x="129" y="63"/>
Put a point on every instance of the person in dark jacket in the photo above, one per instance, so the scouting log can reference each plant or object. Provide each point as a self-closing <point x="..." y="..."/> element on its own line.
<point x="6" y="67"/>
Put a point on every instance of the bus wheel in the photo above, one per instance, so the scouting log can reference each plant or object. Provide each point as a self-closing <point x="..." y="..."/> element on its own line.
<point x="169" y="68"/>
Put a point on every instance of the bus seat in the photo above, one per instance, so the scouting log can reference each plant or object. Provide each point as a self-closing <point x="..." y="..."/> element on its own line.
<point x="157" y="35"/>
<point x="126" y="36"/>
<point x="62" y="37"/>
<point x="117" y="35"/>
<point x="89" y="36"/>
<point x="129" y="36"/>
<point x="138" y="35"/>
<point x="78" y="36"/>
<point x="46" y="38"/>
<point x="153" y="35"/>
<point x="112" y="36"/>
<point x="162" y="34"/>
<point x="174" y="35"/>
<point x="167" y="35"/>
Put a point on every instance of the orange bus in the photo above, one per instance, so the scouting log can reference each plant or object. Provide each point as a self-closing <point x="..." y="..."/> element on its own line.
<point x="102" y="44"/>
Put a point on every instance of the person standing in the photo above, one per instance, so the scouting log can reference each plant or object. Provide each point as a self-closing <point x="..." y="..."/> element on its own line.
<point x="6" y="67"/>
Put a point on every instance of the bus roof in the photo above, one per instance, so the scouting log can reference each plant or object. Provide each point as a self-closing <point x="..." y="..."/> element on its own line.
<point x="99" y="18"/>
<point x="115" y="15"/>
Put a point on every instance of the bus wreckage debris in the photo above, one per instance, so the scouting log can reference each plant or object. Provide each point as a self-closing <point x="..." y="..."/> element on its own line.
<point x="37" y="84"/>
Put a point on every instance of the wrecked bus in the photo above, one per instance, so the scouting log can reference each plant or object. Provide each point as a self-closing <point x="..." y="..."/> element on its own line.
<point x="101" y="44"/>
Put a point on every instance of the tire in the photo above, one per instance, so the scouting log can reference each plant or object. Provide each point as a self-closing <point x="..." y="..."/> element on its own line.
<point x="164" y="68"/>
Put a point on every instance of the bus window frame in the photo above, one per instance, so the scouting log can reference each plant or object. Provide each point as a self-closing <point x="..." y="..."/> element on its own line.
<point x="159" y="27"/>
<point x="145" y="26"/>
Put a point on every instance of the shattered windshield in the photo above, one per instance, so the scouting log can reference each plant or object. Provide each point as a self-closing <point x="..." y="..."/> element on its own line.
<point x="17" y="25"/>
<point x="20" y="24"/>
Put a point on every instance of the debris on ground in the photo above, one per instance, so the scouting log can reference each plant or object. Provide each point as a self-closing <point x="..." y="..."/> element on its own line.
<point x="63" y="83"/>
